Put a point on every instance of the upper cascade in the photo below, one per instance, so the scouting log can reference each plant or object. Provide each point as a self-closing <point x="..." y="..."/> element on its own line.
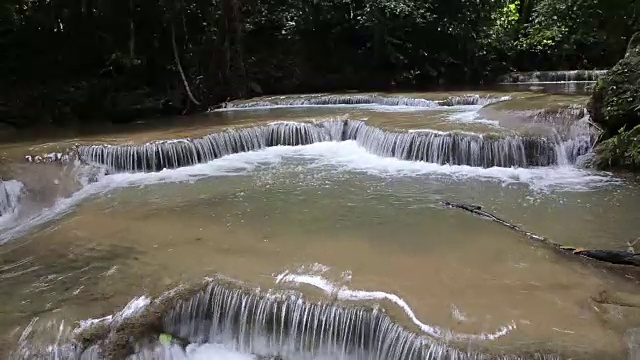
<point x="364" y="100"/>
<point x="10" y="192"/>
<point x="552" y="76"/>
<point x="453" y="148"/>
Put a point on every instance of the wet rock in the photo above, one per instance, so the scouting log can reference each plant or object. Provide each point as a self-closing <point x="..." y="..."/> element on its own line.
<point x="621" y="311"/>
<point x="618" y="298"/>
<point x="618" y="317"/>
<point x="632" y="338"/>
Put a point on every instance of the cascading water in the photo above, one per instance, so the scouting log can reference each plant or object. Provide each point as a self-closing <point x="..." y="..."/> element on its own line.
<point x="577" y="142"/>
<point x="365" y="100"/>
<point x="291" y="327"/>
<point x="156" y="156"/>
<point x="453" y="148"/>
<point x="573" y="133"/>
<point x="553" y="76"/>
<point x="10" y="192"/>
<point x="248" y="321"/>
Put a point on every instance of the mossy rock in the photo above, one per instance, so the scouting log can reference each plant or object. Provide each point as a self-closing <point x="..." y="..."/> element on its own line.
<point x="615" y="102"/>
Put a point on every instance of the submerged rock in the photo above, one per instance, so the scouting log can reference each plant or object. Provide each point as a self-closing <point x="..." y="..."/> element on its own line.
<point x="632" y="337"/>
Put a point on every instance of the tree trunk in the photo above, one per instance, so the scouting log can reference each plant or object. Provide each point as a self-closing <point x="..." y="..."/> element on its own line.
<point x="179" y="66"/>
<point x="236" y="75"/>
<point x="132" y="32"/>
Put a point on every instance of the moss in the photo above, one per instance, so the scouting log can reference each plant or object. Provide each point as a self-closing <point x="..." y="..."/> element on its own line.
<point x="619" y="151"/>
<point x="615" y="102"/>
<point x="615" y="106"/>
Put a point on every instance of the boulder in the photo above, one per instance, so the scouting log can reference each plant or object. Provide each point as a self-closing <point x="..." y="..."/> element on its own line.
<point x="615" y="102"/>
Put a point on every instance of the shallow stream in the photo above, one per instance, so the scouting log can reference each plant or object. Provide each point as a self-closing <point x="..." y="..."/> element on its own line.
<point x="342" y="213"/>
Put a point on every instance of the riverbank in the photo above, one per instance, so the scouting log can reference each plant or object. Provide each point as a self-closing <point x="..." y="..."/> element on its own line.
<point x="615" y="107"/>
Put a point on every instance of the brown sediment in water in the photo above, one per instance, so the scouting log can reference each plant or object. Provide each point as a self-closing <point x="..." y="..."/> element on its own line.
<point x="181" y="232"/>
<point x="195" y="247"/>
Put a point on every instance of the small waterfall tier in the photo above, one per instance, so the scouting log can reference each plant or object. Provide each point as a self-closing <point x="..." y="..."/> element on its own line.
<point x="10" y="192"/>
<point x="453" y="148"/>
<point x="552" y="76"/>
<point x="269" y="326"/>
<point x="572" y="129"/>
<point x="326" y="100"/>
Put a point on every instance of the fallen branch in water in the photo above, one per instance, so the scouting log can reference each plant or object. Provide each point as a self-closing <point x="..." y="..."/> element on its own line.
<point x="611" y="256"/>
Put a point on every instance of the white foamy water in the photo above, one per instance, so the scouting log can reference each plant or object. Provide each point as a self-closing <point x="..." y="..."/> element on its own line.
<point x="10" y="193"/>
<point x="214" y="351"/>
<point x="470" y="116"/>
<point x="342" y="292"/>
<point x="132" y="308"/>
<point x="371" y="107"/>
<point x="310" y="275"/>
<point x="348" y="155"/>
<point x="333" y="156"/>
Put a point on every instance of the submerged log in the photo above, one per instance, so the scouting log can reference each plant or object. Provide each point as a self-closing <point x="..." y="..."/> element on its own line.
<point x="617" y="257"/>
<point x="612" y="256"/>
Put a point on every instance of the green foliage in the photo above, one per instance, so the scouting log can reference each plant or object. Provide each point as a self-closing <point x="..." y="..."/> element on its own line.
<point x="92" y="50"/>
<point x="616" y="99"/>
<point x="620" y="151"/>
<point x="579" y="33"/>
<point x="615" y="106"/>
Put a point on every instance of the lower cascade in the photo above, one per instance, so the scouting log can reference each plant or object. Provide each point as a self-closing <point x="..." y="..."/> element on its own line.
<point x="10" y="192"/>
<point x="453" y="148"/>
<point x="246" y="320"/>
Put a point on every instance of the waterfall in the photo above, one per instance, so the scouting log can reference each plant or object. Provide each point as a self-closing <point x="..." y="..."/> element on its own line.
<point x="10" y="192"/>
<point x="266" y="325"/>
<point x="553" y="76"/>
<point x="453" y="148"/>
<point x="566" y="115"/>
<point x="171" y="154"/>
<point x="578" y="141"/>
<point x="574" y="137"/>
<point x="292" y="326"/>
<point x="365" y="100"/>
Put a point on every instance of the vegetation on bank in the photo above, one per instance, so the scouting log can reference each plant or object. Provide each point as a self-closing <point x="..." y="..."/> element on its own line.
<point x="118" y="60"/>
<point x="615" y="106"/>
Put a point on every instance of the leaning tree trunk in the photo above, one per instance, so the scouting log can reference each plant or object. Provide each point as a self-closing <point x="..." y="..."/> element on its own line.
<point x="132" y="32"/>
<point x="235" y="72"/>
<point x="179" y="65"/>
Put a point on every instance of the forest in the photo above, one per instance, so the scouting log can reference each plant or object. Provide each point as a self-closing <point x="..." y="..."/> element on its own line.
<point x="65" y="60"/>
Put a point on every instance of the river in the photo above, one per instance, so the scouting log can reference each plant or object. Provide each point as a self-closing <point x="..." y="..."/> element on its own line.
<point x="330" y="198"/>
